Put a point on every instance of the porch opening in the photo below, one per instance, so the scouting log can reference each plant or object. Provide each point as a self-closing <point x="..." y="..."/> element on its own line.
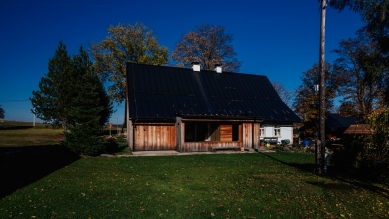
<point x="211" y="132"/>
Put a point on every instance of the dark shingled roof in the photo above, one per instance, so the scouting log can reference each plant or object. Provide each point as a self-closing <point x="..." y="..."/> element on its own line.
<point x="362" y="129"/>
<point x="336" y="121"/>
<point x="158" y="92"/>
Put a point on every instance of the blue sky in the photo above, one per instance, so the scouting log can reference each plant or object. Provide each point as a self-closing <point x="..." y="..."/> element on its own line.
<point x="279" y="39"/>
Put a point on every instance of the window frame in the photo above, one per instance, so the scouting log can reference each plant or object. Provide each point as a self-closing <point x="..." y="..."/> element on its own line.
<point x="262" y="131"/>
<point x="276" y="129"/>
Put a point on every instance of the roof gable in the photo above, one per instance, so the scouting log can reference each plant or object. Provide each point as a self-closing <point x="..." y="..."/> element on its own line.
<point x="158" y="92"/>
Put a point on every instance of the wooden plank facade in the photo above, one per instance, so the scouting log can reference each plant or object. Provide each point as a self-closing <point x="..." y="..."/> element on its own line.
<point x="154" y="137"/>
<point x="171" y="136"/>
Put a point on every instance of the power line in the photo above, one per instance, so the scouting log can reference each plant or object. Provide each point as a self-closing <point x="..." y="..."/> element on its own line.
<point x="2" y="106"/>
<point x="14" y="100"/>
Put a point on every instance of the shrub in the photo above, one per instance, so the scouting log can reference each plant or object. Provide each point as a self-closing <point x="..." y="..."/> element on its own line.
<point x="349" y="156"/>
<point x="376" y="159"/>
<point x="82" y="140"/>
<point x="111" y="145"/>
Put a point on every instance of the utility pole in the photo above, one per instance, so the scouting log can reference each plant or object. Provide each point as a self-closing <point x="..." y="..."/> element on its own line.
<point x="320" y="145"/>
<point x="33" y="124"/>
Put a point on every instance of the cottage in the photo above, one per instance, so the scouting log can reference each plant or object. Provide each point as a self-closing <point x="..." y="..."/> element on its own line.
<point x="337" y="124"/>
<point x="189" y="110"/>
<point x="358" y="129"/>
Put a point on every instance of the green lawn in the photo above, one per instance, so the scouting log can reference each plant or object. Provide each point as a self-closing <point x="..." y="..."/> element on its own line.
<point x="56" y="184"/>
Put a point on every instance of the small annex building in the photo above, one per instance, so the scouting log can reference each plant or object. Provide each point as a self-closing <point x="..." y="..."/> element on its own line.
<point x="187" y="110"/>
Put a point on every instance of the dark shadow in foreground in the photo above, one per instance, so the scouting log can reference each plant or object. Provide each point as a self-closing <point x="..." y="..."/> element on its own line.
<point x="306" y="167"/>
<point x="332" y="186"/>
<point x="22" y="166"/>
<point x="15" y="127"/>
<point x="338" y="175"/>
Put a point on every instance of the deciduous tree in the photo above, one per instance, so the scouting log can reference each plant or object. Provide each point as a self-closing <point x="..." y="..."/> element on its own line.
<point x="209" y="45"/>
<point x="125" y="43"/>
<point x="285" y="94"/>
<point x="355" y="62"/>
<point x="376" y="15"/>
<point x="306" y="102"/>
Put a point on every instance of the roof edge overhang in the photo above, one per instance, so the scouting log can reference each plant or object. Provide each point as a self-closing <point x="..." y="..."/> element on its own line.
<point x="200" y="118"/>
<point x="281" y="122"/>
<point x="136" y="120"/>
<point x="221" y="118"/>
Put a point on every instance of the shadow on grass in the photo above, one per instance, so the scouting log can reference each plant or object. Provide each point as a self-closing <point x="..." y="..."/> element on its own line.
<point x="22" y="166"/>
<point x="11" y="127"/>
<point x="340" y="176"/>
<point x="346" y="177"/>
<point x="305" y="167"/>
<point x="332" y="186"/>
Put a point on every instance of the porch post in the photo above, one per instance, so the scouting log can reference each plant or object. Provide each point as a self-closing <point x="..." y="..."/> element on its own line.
<point x="179" y="129"/>
<point x="130" y="135"/>
<point x="257" y="133"/>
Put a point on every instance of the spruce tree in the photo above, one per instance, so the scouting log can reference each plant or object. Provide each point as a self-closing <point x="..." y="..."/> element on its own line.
<point x="2" y="113"/>
<point x="52" y="101"/>
<point x="91" y="109"/>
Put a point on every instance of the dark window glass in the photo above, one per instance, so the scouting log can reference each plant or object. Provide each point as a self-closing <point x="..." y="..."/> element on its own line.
<point x="235" y="132"/>
<point x="209" y="131"/>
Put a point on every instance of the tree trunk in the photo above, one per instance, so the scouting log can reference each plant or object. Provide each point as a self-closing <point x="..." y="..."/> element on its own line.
<point x="64" y="125"/>
<point x="125" y="115"/>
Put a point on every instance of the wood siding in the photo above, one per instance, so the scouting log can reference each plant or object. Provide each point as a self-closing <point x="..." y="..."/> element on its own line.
<point x="154" y="137"/>
<point x="257" y="135"/>
<point x="251" y="135"/>
<point x="149" y="137"/>
<point x="247" y="139"/>
<point x="225" y="133"/>
<point x="206" y="146"/>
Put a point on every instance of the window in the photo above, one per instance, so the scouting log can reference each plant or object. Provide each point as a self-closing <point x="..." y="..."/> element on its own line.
<point x="277" y="131"/>
<point x="197" y="131"/>
<point x="262" y="134"/>
<point x="235" y="132"/>
<point x="207" y="131"/>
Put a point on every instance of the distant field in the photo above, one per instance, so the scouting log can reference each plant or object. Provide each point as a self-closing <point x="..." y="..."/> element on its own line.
<point x="20" y="134"/>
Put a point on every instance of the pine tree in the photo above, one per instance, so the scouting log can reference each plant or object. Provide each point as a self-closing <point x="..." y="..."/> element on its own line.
<point x="91" y="109"/>
<point x="2" y="113"/>
<point x="54" y="98"/>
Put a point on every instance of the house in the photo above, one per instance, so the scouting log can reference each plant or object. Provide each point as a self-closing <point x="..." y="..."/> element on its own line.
<point x="189" y="110"/>
<point x="337" y="124"/>
<point x="358" y="129"/>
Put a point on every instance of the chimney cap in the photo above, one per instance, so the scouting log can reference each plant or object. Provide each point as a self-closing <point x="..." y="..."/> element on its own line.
<point x="196" y="66"/>
<point x="218" y="68"/>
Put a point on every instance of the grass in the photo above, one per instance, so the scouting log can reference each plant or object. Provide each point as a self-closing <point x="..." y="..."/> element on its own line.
<point x="50" y="182"/>
<point x="20" y="134"/>
<point x="15" y="135"/>
<point x="278" y="185"/>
